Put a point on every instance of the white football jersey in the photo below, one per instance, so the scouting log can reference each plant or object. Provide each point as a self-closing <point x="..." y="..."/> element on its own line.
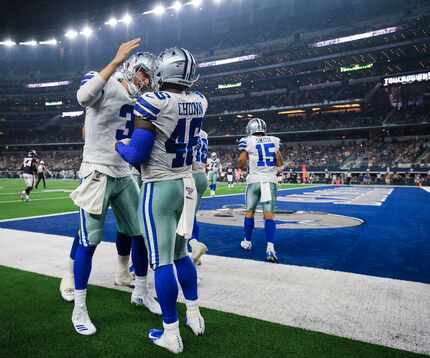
<point x="178" y="119"/>
<point x="214" y="165"/>
<point x="108" y="119"/>
<point x="201" y="153"/>
<point x="262" y="158"/>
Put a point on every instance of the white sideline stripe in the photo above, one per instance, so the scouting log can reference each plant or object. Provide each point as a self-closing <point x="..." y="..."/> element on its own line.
<point x="40" y="216"/>
<point x="426" y="188"/>
<point x="39" y="192"/>
<point x="44" y="199"/>
<point x="377" y="310"/>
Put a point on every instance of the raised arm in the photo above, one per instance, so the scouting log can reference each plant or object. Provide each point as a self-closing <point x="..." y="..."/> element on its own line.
<point x="93" y="83"/>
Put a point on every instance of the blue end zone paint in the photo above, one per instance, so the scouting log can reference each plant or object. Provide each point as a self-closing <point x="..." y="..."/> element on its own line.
<point x="393" y="242"/>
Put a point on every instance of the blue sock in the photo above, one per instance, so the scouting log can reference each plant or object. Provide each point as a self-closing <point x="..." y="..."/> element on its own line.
<point x="167" y="292"/>
<point x="270" y="229"/>
<point x="139" y="256"/>
<point x="187" y="277"/>
<point x="215" y="187"/>
<point x="123" y="244"/>
<point x="248" y="227"/>
<point x="74" y="246"/>
<point x="196" y="230"/>
<point x="82" y="266"/>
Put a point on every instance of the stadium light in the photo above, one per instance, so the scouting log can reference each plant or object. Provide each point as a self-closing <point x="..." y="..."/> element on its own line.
<point x="112" y="22"/>
<point x="126" y="19"/>
<point x="51" y="42"/>
<point x="196" y="3"/>
<point x="86" y="31"/>
<point x="8" y="43"/>
<point x="71" y="34"/>
<point x="177" y="6"/>
<point x="159" y="10"/>
<point x="28" y="43"/>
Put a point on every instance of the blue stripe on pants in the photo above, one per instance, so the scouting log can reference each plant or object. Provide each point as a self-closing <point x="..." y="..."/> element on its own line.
<point x="154" y="232"/>
<point x="148" y="244"/>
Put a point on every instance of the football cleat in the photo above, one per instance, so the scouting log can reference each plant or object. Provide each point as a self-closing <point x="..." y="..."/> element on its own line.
<point x="148" y="301"/>
<point x="212" y="193"/>
<point x="246" y="244"/>
<point x="271" y="257"/>
<point x="195" y="321"/>
<point x="169" y="339"/>
<point x="82" y="322"/>
<point x="198" y="249"/>
<point x="67" y="288"/>
<point x="124" y="278"/>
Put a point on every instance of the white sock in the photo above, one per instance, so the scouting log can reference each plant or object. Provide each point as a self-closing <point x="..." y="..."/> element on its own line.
<point x="171" y="328"/>
<point x="123" y="262"/>
<point x="140" y="286"/>
<point x="192" y="306"/>
<point x="270" y="247"/>
<point x="80" y="298"/>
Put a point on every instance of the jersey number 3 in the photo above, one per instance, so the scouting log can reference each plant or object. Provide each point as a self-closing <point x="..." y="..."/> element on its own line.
<point x="126" y="112"/>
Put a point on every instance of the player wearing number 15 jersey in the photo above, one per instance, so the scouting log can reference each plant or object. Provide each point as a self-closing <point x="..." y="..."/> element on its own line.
<point x="262" y="154"/>
<point x="167" y="130"/>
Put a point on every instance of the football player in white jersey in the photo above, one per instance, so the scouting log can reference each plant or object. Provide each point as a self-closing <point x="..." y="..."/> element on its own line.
<point x="214" y="167"/>
<point x="106" y="178"/>
<point x="261" y="153"/>
<point x="198" y="248"/>
<point x="163" y="141"/>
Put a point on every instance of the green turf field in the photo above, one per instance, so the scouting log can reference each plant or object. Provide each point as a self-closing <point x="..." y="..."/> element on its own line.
<point x="35" y="322"/>
<point x="56" y="198"/>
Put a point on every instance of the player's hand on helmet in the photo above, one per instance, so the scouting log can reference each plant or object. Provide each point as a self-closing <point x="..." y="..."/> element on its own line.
<point x="124" y="51"/>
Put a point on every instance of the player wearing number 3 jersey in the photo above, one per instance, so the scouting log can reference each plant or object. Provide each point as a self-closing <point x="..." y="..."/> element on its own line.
<point x="167" y="130"/>
<point x="106" y="178"/>
<point x="262" y="154"/>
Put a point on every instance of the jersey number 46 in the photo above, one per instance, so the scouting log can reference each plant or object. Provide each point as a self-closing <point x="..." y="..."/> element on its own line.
<point x="182" y="141"/>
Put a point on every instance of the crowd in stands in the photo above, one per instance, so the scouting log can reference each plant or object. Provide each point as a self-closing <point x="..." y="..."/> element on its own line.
<point x="353" y="155"/>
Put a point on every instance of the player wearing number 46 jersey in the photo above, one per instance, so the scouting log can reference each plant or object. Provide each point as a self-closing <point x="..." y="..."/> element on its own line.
<point x="164" y="141"/>
<point x="106" y="177"/>
<point x="262" y="154"/>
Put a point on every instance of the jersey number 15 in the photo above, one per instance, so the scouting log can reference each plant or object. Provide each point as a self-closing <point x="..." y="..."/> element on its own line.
<point x="266" y="155"/>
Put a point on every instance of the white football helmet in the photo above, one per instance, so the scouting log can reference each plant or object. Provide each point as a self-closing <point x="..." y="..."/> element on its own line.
<point x="178" y="66"/>
<point x="213" y="155"/>
<point x="145" y="61"/>
<point x="256" y="125"/>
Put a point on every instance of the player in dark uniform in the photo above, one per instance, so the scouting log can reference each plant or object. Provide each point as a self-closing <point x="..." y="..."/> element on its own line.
<point x="230" y="176"/>
<point x="29" y="168"/>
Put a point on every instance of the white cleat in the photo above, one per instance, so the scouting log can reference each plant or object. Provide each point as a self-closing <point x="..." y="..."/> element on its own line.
<point x="196" y="322"/>
<point x="124" y="278"/>
<point x="67" y="288"/>
<point x="246" y="245"/>
<point x="167" y="338"/>
<point x="198" y="249"/>
<point x="271" y="256"/>
<point x="212" y="193"/>
<point x="82" y="322"/>
<point x="148" y="301"/>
